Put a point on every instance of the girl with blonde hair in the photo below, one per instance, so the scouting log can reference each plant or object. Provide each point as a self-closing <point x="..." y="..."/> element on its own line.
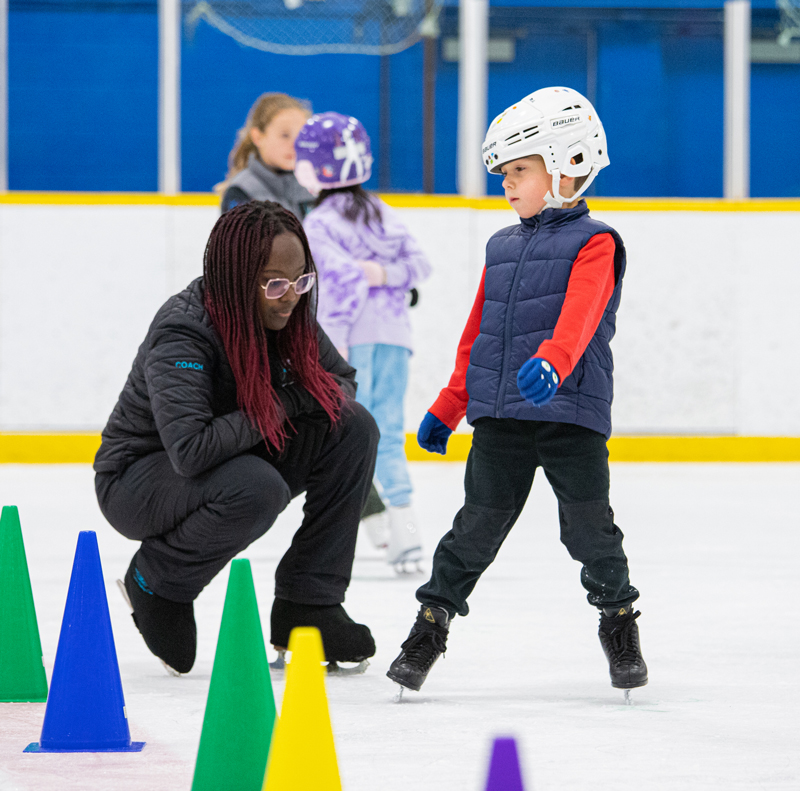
<point x="261" y="164"/>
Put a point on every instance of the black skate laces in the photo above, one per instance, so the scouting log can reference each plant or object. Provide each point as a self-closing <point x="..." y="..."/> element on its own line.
<point x="622" y="637"/>
<point x="424" y="646"/>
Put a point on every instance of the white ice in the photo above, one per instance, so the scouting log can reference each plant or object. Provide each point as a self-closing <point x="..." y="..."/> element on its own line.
<point x="713" y="549"/>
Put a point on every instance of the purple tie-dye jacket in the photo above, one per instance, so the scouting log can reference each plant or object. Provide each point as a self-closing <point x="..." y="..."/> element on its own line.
<point x="349" y="311"/>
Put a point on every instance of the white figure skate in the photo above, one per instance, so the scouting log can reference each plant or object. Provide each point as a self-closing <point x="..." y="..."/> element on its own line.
<point x="405" y="543"/>
<point x="376" y="527"/>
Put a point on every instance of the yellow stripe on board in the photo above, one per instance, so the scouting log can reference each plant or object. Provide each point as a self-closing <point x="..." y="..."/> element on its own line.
<point x="48" y="448"/>
<point x="108" y="199"/>
<point x="400" y="200"/>
<point x="81" y="448"/>
<point x="601" y="204"/>
<point x="699" y="449"/>
<point x="653" y="449"/>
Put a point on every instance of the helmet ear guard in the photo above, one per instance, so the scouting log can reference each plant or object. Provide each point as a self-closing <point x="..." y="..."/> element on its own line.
<point x="578" y="160"/>
<point x="579" y="163"/>
<point x="307" y="177"/>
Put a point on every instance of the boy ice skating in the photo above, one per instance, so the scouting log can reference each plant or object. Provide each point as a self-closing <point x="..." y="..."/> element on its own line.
<point x="534" y="377"/>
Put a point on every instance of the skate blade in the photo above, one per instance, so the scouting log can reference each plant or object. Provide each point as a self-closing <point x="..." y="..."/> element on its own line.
<point x="280" y="662"/>
<point x="170" y="670"/>
<point x="335" y="669"/>
<point x="407" y="567"/>
<point x="402" y="684"/>
<point x="628" y="698"/>
<point x="398" y="698"/>
<point x="121" y="586"/>
<point x="332" y="668"/>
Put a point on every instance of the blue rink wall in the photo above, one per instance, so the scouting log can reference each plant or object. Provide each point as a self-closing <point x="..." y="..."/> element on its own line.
<point x="83" y="95"/>
<point x="707" y="328"/>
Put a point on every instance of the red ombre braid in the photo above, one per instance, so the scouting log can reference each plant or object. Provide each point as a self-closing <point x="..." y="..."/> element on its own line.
<point x="238" y="247"/>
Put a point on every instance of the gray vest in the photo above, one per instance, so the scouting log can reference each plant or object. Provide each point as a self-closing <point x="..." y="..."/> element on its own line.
<point x="261" y="183"/>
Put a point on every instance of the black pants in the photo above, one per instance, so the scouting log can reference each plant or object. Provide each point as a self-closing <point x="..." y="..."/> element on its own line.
<point x="500" y="468"/>
<point x="191" y="527"/>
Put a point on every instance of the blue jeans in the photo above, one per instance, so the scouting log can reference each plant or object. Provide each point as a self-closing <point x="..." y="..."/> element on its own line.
<point x="382" y="376"/>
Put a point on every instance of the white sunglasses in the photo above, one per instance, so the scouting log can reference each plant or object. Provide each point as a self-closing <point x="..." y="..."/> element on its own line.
<point x="278" y="286"/>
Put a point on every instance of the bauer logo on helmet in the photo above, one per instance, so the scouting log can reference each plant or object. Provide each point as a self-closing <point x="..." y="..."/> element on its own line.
<point x="565" y="121"/>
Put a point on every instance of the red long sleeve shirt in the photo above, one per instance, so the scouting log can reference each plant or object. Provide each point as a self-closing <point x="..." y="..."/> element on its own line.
<point x="591" y="283"/>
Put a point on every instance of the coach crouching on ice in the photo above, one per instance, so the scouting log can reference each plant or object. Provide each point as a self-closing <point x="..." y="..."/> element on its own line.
<point x="236" y="403"/>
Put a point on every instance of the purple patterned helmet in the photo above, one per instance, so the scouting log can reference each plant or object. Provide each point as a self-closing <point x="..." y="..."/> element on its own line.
<point x="333" y="150"/>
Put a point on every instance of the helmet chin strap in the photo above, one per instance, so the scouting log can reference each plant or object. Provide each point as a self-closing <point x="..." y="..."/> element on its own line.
<point x="553" y="198"/>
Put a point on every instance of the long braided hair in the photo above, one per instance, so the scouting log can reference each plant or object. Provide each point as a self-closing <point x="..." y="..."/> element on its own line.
<point x="238" y="248"/>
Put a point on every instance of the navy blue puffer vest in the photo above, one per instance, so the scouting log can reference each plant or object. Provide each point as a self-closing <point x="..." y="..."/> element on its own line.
<point x="527" y="271"/>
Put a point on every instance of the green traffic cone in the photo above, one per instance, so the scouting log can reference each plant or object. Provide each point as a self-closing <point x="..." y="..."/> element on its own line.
<point x="22" y="676"/>
<point x="240" y="712"/>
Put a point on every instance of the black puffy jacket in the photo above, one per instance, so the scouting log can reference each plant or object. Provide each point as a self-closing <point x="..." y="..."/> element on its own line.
<point x="181" y="394"/>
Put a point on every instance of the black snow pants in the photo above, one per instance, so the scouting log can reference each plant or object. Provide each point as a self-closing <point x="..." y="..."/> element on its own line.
<point x="502" y="462"/>
<point x="191" y="527"/>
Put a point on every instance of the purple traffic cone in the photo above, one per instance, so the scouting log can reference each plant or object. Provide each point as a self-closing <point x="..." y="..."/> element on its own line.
<point x="504" y="771"/>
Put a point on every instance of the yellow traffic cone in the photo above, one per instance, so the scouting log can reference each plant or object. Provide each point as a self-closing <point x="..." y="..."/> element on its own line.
<point x="303" y="757"/>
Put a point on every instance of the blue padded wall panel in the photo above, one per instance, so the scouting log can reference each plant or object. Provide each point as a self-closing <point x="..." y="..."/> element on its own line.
<point x="445" y="166"/>
<point x="406" y="120"/>
<point x="83" y="101"/>
<point x="774" y="124"/>
<point x="631" y="105"/>
<point x="694" y="105"/>
<point x="660" y="99"/>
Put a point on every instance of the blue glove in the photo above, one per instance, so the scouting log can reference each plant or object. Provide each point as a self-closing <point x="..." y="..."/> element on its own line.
<point x="537" y="381"/>
<point x="433" y="434"/>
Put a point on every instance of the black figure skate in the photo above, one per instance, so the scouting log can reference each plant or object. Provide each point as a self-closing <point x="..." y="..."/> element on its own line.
<point x="343" y="640"/>
<point x="168" y="627"/>
<point x="426" y="642"/>
<point x="619" y="637"/>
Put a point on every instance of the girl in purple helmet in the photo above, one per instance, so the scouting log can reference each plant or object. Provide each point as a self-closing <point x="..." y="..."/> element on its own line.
<point x="367" y="263"/>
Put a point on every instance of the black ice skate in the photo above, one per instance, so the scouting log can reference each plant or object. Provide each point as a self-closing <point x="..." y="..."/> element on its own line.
<point x="619" y="637"/>
<point x="168" y="627"/>
<point x="343" y="640"/>
<point x="426" y="642"/>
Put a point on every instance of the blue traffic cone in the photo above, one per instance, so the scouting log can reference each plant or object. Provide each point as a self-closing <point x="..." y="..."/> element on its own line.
<point x="504" y="771"/>
<point x="85" y="709"/>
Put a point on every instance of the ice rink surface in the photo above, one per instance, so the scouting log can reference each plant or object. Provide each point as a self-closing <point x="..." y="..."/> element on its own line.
<point x="713" y="549"/>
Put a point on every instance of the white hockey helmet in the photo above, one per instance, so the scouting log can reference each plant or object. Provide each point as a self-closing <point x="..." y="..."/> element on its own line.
<point x="559" y="125"/>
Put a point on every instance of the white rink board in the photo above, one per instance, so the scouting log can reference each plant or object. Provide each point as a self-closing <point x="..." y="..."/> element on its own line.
<point x="707" y="330"/>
